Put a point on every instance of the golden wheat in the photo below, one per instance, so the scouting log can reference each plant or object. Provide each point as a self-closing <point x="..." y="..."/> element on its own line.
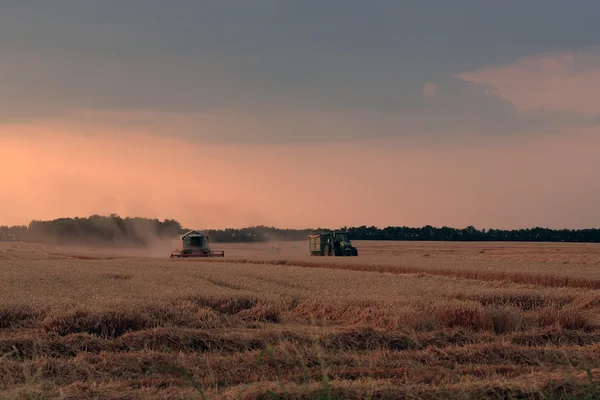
<point x="403" y="320"/>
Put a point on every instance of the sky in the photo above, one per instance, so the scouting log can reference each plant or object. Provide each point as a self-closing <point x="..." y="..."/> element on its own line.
<point x="302" y="113"/>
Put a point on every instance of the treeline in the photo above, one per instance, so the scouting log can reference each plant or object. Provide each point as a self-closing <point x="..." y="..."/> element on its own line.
<point x="7" y="233"/>
<point x="426" y="233"/>
<point x="140" y="231"/>
<point x="471" y="234"/>
<point x="97" y="229"/>
<point x="258" y="234"/>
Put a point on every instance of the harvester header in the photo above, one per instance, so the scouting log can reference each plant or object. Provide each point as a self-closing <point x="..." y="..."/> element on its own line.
<point x="195" y="244"/>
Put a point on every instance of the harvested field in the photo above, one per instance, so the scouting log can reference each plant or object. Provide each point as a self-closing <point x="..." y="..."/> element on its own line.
<point x="402" y="320"/>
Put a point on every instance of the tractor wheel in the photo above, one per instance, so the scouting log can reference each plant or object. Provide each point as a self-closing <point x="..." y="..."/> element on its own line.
<point x="354" y="251"/>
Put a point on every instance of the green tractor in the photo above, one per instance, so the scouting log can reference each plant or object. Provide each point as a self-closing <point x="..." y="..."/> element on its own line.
<point x="331" y="244"/>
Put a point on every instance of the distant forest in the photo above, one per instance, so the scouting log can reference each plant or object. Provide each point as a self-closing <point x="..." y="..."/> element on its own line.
<point x="97" y="229"/>
<point x="115" y="230"/>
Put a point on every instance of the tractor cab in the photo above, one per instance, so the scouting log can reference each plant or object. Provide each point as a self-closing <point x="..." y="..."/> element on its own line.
<point x="342" y="244"/>
<point x="342" y="237"/>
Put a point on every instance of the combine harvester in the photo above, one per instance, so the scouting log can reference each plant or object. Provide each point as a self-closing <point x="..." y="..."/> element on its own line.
<point x="195" y="244"/>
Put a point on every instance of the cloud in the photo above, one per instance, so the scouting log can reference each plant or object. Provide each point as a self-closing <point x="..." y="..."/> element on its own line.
<point x="269" y="57"/>
<point x="463" y="106"/>
<point x="441" y="111"/>
<point x="554" y="81"/>
<point x="429" y="89"/>
<point x="455" y="105"/>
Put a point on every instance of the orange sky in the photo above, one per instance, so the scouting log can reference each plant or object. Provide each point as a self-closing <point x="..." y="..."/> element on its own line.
<point x="90" y="162"/>
<point x="540" y="181"/>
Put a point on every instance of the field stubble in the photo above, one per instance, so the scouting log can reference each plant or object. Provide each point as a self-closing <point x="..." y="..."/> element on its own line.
<point x="402" y="320"/>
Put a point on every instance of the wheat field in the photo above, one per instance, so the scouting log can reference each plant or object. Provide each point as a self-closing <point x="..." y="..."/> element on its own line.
<point x="401" y="320"/>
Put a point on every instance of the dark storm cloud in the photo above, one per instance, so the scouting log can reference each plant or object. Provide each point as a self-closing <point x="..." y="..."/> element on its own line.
<point x="267" y="55"/>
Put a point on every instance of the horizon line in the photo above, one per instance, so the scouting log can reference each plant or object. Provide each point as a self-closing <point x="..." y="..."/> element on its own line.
<point x="113" y="215"/>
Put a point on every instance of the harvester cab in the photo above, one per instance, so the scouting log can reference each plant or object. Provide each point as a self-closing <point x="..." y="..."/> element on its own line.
<point x="195" y="244"/>
<point x="331" y="244"/>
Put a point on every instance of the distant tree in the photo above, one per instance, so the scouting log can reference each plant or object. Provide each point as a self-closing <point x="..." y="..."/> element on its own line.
<point x="114" y="229"/>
